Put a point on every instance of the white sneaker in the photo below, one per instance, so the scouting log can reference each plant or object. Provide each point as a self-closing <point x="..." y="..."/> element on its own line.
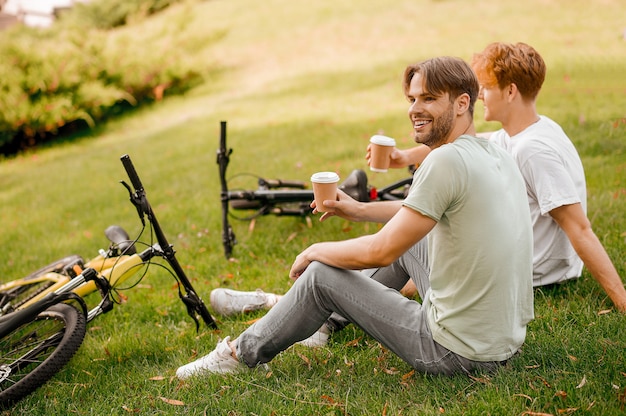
<point x="318" y="339"/>
<point x="228" y="302"/>
<point x="220" y="361"/>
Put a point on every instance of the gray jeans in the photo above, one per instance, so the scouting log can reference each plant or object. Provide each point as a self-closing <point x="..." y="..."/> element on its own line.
<point x="370" y="300"/>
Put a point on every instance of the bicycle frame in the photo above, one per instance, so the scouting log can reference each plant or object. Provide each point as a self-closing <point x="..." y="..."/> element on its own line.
<point x="115" y="270"/>
<point x="273" y="196"/>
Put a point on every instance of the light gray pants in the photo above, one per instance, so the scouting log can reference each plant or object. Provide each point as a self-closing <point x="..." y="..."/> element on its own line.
<point x="369" y="299"/>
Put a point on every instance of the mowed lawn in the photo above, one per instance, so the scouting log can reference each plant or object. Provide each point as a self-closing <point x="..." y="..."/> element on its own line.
<point x="303" y="86"/>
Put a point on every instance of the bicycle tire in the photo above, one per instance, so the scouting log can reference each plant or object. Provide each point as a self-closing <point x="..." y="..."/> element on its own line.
<point x="33" y="353"/>
<point x="22" y="294"/>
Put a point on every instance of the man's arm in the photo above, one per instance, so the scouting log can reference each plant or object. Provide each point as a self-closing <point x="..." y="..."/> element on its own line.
<point x="403" y="158"/>
<point x="576" y="225"/>
<point x="413" y="155"/>
<point x="350" y="209"/>
<point x="400" y="233"/>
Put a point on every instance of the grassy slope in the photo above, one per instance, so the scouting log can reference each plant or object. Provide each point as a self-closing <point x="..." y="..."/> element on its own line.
<point x="317" y="78"/>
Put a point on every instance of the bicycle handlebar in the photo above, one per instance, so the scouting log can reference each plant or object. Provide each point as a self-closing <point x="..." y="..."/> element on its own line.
<point x="132" y="173"/>
<point x="223" y="158"/>
<point x="192" y="301"/>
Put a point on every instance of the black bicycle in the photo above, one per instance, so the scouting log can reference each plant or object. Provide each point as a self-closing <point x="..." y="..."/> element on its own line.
<point x="288" y="197"/>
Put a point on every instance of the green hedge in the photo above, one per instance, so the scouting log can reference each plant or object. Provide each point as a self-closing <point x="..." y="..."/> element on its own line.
<point x="77" y="73"/>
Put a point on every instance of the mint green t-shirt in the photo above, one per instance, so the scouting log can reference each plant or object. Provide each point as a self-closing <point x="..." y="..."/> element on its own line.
<point x="480" y="251"/>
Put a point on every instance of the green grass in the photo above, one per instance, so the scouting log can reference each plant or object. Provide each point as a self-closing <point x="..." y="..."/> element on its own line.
<point x="303" y="86"/>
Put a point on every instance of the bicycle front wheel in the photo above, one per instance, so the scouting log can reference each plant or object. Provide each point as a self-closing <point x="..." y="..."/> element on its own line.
<point x="37" y="350"/>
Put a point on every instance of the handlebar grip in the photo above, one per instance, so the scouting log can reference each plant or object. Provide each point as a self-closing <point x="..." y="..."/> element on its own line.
<point x="222" y="136"/>
<point x="132" y="173"/>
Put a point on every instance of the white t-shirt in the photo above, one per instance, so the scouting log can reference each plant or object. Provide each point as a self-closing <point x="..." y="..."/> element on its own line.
<point x="480" y="251"/>
<point x="554" y="177"/>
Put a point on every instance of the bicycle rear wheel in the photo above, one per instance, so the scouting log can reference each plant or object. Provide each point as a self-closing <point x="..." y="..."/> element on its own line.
<point x="37" y="350"/>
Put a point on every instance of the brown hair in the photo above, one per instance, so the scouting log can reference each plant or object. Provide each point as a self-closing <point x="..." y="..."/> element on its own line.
<point x="445" y="75"/>
<point x="503" y="64"/>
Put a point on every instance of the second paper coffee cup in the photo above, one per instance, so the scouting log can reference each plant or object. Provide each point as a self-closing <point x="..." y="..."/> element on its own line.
<point x="324" y="188"/>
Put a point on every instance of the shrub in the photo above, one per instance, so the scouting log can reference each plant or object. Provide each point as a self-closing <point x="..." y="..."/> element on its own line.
<point x="107" y="14"/>
<point x="77" y="74"/>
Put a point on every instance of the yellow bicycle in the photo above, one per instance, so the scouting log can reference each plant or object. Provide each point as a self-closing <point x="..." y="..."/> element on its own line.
<point x="43" y="316"/>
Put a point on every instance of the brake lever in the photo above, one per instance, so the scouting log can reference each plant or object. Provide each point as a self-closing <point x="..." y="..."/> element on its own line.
<point x="192" y="306"/>
<point x="137" y="201"/>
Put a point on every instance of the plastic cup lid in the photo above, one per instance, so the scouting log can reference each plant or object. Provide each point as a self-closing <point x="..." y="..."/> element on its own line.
<point x="325" y="177"/>
<point x="382" y="140"/>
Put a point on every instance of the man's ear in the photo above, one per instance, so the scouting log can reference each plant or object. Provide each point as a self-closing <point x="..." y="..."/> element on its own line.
<point x="462" y="103"/>
<point x="511" y="92"/>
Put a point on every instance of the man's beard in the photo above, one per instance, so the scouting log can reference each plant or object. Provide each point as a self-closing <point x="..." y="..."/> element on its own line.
<point x="441" y="128"/>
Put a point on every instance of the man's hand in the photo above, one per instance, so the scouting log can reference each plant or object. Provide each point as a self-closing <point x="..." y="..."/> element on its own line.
<point x="399" y="158"/>
<point x="350" y="209"/>
<point x="299" y="265"/>
<point x="345" y="207"/>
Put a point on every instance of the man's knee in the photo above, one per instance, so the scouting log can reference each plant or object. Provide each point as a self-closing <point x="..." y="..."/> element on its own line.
<point x="318" y="273"/>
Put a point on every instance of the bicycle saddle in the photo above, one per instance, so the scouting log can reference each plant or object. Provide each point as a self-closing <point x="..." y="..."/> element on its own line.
<point x="120" y="239"/>
<point x="355" y="185"/>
